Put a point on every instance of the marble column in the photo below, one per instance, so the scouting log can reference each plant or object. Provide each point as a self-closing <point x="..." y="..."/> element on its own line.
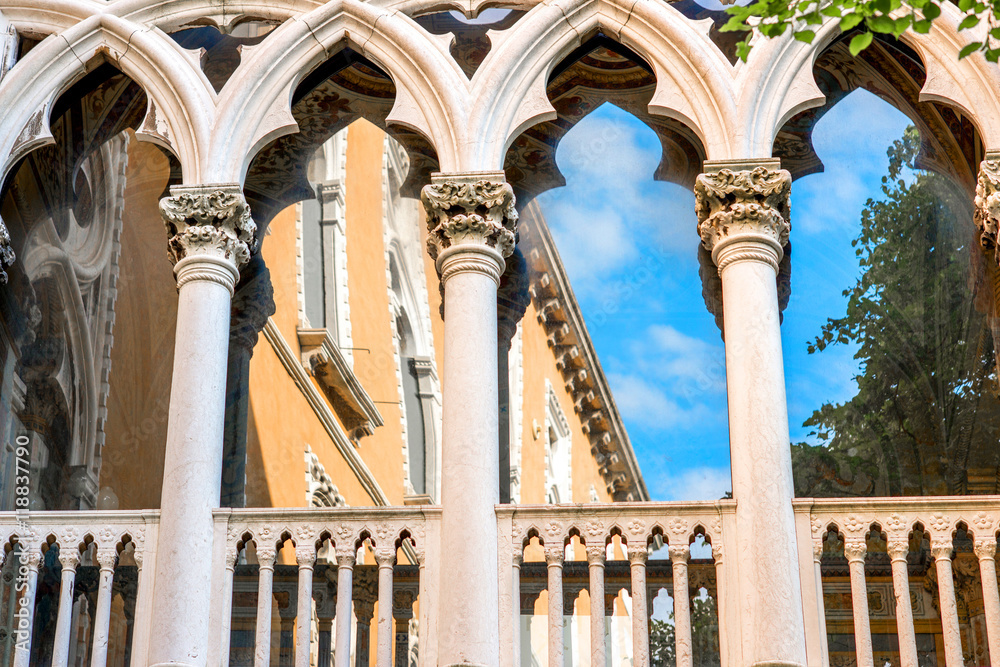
<point x="898" y="548"/>
<point x="402" y="614"/>
<point x="637" y="556"/>
<point x="69" y="558"/>
<point x="743" y="220"/>
<point x="986" y="551"/>
<point x="210" y="238"/>
<point x="947" y="604"/>
<point x="855" y="551"/>
<point x="385" y="556"/>
<point x="471" y="219"/>
<point x="679" y="556"/>
<point x="305" y="557"/>
<point x="596" y="552"/>
<point x="107" y="559"/>
<point x="28" y="564"/>
<point x="554" y="554"/>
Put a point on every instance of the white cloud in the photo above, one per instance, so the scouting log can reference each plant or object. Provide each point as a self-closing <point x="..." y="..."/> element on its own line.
<point x="700" y="483"/>
<point x="643" y="403"/>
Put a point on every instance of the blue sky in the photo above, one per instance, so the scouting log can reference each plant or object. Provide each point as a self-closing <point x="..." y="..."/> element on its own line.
<point x="630" y="247"/>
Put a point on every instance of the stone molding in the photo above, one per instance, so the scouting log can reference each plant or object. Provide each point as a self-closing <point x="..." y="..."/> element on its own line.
<point x="474" y="209"/>
<point x="743" y="214"/>
<point x="208" y="221"/>
<point x="987" y="204"/>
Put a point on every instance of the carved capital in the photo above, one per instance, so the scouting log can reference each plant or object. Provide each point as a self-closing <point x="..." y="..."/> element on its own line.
<point x="231" y="555"/>
<point x="305" y="555"/>
<point x="6" y="253"/>
<point x="744" y="215"/>
<point x="855" y="550"/>
<point x="817" y="551"/>
<point x="987" y="214"/>
<point x="346" y="556"/>
<point x="596" y="553"/>
<point x="208" y="221"/>
<point x="985" y="549"/>
<point x="265" y="556"/>
<point x="472" y="212"/>
<point x="555" y="553"/>
<point x="941" y="549"/>
<point x="385" y="556"/>
<point x="69" y="558"/>
<point x="32" y="557"/>
<point x="897" y="549"/>
<point x="679" y="553"/>
<point x="107" y="559"/>
<point x="717" y="553"/>
<point x="637" y="552"/>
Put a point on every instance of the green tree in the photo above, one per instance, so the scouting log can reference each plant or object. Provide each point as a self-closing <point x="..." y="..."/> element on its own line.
<point x="891" y="17"/>
<point x="926" y="406"/>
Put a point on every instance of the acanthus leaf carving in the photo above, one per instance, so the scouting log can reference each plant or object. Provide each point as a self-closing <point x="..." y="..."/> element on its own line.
<point x="987" y="212"/>
<point x="469" y="210"/>
<point x="209" y="220"/>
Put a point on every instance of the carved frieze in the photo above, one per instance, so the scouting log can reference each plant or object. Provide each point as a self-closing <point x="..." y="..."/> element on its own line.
<point x="209" y="220"/>
<point x="750" y="205"/>
<point x="471" y="209"/>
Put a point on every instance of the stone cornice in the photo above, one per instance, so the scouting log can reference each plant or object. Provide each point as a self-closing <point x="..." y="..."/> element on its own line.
<point x="577" y="360"/>
<point x="475" y="208"/>
<point x="743" y="212"/>
<point x="209" y="220"/>
<point x="323" y="359"/>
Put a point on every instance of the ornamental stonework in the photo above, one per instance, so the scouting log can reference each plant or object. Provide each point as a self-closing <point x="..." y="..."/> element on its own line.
<point x="6" y="253"/>
<point x="469" y="210"/>
<point x="987" y="214"/>
<point x="209" y="220"/>
<point x="730" y="204"/>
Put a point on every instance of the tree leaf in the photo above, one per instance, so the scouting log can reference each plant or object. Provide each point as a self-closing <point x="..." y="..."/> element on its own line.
<point x="850" y="20"/>
<point x="882" y="24"/>
<point x="969" y="49"/>
<point x="860" y="42"/>
<point x="806" y="36"/>
<point x="969" y="22"/>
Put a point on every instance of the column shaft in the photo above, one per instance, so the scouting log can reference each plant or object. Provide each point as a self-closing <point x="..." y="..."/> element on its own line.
<point x="855" y="552"/>
<point x="25" y="614"/>
<point x="554" y="558"/>
<point x="345" y="585"/>
<point x="305" y="556"/>
<point x="69" y="557"/>
<point x="102" y="619"/>
<point x="595" y="558"/>
<point x="265" y="601"/>
<point x="947" y="604"/>
<point x="986" y="551"/>
<point x="904" y="610"/>
<point x="385" y="556"/>
<point x="640" y="622"/>
<point x="682" y="606"/>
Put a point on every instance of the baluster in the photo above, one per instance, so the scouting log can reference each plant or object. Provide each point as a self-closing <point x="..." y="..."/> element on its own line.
<point x="898" y="548"/>
<point x="345" y="588"/>
<point x="986" y="551"/>
<point x="595" y="559"/>
<point x="107" y="558"/>
<point x="679" y="555"/>
<point x="305" y="556"/>
<point x="402" y="613"/>
<point x="637" y="556"/>
<point x="855" y="550"/>
<point x="31" y="559"/>
<point x="554" y="554"/>
<point x="69" y="558"/>
<point x="941" y="550"/>
<point x="227" y="603"/>
<point x="720" y="602"/>
<point x="517" y="556"/>
<point x="265" y="584"/>
<point x="385" y="556"/>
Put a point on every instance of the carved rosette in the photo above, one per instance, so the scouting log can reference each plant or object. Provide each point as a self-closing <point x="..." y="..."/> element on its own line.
<point x="473" y="212"/>
<point x="987" y="213"/>
<point x="6" y="253"/>
<point x="208" y="222"/>
<point x="744" y="215"/>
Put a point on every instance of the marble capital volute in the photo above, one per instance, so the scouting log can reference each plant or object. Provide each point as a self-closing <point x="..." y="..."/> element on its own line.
<point x="210" y="223"/>
<point x="744" y="214"/>
<point x="471" y="212"/>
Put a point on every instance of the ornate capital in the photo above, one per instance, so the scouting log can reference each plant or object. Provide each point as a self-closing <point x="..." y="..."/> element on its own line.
<point x="987" y="213"/>
<point x="107" y="559"/>
<point x="305" y="555"/>
<point x="898" y="548"/>
<point x="346" y="556"/>
<point x="855" y="550"/>
<point x="208" y="221"/>
<point x="265" y="556"/>
<point x="6" y="253"/>
<point x="69" y="558"/>
<point x="555" y="553"/>
<point x="941" y="549"/>
<point x="637" y="552"/>
<point x="385" y="556"/>
<point x="596" y="553"/>
<point x="474" y="211"/>
<point x="679" y="553"/>
<point x="985" y="549"/>
<point x="744" y="215"/>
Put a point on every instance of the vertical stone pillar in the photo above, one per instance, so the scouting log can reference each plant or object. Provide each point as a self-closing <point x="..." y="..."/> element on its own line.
<point x="898" y="548"/>
<point x="855" y="550"/>
<point x="305" y="557"/>
<point x="471" y="219"/>
<point x="69" y="558"/>
<point x="941" y="549"/>
<point x="743" y="219"/>
<point x="107" y="558"/>
<point x="679" y="555"/>
<point x="637" y="556"/>
<point x="986" y="551"/>
<point x="402" y="614"/>
<point x="211" y="235"/>
<point x="554" y="554"/>
<point x="596" y="552"/>
<point x="385" y="556"/>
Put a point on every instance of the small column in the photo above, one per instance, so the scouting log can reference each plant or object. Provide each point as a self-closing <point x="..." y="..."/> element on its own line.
<point x="720" y="597"/>
<point x="107" y="558"/>
<point x="265" y="600"/>
<point x="227" y="604"/>
<point x="517" y="557"/>
<point x="898" y="548"/>
<point x="554" y="554"/>
<point x="211" y="236"/>
<point x="346" y="555"/>
<point x="402" y="613"/>
<point x="471" y="219"/>
<point x="986" y="551"/>
<point x="637" y="555"/>
<point x="364" y="610"/>
<point x="305" y="556"/>
<point x="743" y="220"/>
<point x="326" y="600"/>
<point x="679" y="555"/>
<point x="855" y="551"/>
<point x="69" y="558"/>
<point x="31" y="558"/>
<point x="596" y="552"/>
<point x="385" y="556"/>
<point x="941" y="550"/>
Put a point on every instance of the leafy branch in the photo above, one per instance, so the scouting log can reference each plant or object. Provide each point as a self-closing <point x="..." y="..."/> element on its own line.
<point x="773" y="18"/>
